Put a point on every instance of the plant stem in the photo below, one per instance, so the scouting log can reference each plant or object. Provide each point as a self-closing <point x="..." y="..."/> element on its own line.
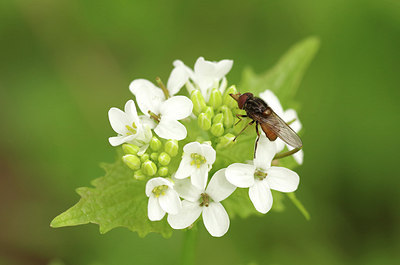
<point x="189" y="247"/>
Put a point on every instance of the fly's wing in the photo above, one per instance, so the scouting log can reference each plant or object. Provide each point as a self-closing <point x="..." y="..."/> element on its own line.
<point x="272" y="125"/>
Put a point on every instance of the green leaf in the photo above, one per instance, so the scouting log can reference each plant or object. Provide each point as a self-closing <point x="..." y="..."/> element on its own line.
<point x="299" y="205"/>
<point x="117" y="199"/>
<point x="284" y="78"/>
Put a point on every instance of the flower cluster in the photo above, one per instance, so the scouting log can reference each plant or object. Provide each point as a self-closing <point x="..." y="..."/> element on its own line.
<point x="177" y="163"/>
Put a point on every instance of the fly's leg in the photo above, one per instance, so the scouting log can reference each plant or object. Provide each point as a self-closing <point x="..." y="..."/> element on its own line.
<point x="250" y="123"/>
<point x="258" y="138"/>
<point x="288" y="153"/>
<point x="240" y="118"/>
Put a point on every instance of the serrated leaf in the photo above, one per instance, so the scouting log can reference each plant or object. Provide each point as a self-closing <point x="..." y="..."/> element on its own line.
<point x="284" y="78"/>
<point x="117" y="200"/>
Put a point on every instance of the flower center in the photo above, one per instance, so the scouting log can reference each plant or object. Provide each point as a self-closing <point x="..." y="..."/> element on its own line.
<point x="154" y="116"/>
<point x="197" y="160"/>
<point x="131" y="129"/>
<point x="258" y="174"/>
<point x="205" y="200"/>
<point x="160" y="190"/>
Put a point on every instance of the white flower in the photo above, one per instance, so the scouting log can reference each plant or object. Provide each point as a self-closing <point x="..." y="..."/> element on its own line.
<point x="288" y="115"/>
<point x="166" y="111"/>
<point x="129" y="126"/>
<point x="260" y="177"/>
<point x="196" y="162"/>
<point x="207" y="74"/>
<point x="162" y="198"/>
<point x="207" y="202"/>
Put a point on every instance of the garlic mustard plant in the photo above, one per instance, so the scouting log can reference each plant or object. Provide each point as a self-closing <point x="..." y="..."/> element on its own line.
<point x="179" y="159"/>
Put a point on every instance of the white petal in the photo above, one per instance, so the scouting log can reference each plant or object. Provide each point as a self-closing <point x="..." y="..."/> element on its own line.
<point x="147" y="122"/>
<point x="290" y="115"/>
<point x="155" y="182"/>
<point x="154" y="211"/>
<point x="282" y="179"/>
<point x="266" y="151"/>
<point x="209" y="153"/>
<point x="223" y="67"/>
<point x="170" y="202"/>
<point x="269" y="97"/>
<point x="216" y="219"/>
<point x="118" y="140"/>
<point x="279" y="145"/>
<point x="299" y="157"/>
<point x="223" y="85"/>
<point x="186" y="190"/>
<point x="171" y="129"/>
<point x="177" y="79"/>
<point x="180" y="64"/>
<point x="199" y="177"/>
<point x="240" y="175"/>
<point x="261" y="196"/>
<point x="193" y="147"/>
<point x="148" y="96"/>
<point x="130" y="110"/>
<point x="219" y="188"/>
<point x="176" y="108"/>
<point x="187" y="215"/>
<point x="118" y="120"/>
<point x="185" y="169"/>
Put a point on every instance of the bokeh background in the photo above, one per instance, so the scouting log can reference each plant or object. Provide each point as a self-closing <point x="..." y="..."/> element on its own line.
<point x="64" y="63"/>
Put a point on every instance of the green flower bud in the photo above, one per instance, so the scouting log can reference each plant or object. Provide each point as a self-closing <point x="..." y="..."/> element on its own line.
<point x="171" y="147"/>
<point x="130" y="149"/>
<point x="139" y="175"/>
<point x="227" y="99"/>
<point x="219" y="118"/>
<point x="132" y="161"/>
<point x="225" y="141"/>
<point x="228" y="116"/>
<point x="198" y="101"/>
<point x="163" y="171"/>
<point x="217" y="129"/>
<point x="209" y="112"/>
<point x="204" y="121"/>
<point x="149" y="168"/>
<point x="154" y="156"/>
<point x="215" y="99"/>
<point x="155" y="144"/>
<point x="164" y="159"/>
<point x="144" y="157"/>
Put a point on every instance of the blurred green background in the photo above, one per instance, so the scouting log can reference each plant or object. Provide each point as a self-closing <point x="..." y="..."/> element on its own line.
<point x="64" y="63"/>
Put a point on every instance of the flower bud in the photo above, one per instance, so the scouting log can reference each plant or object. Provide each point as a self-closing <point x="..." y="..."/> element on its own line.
<point x="217" y="129"/>
<point x="144" y="157"/>
<point x="228" y="116"/>
<point x="132" y="161"/>
<point x="130" y="149"/>
<point x="154" y="156"/>
<point x="227" y="99"/>
<point x="139" y="175"/>
<point x="204" y="121"/>
<point x="149" y="168"/>
<point x="155" y="144"/>
<point x="209" y="112"/>
<point x="215" y="99"/>
<point x="171" y="147"/>
<point x="225" y="141"/>
<point x="198" y="101"/>
<point x="163" y="171"/>
<point x="164" y="159"/>
<point x="219" y="118"/>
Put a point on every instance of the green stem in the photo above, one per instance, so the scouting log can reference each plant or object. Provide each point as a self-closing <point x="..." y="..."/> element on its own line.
<point x="288" y="153"/>
<point x="189" y="247"/>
